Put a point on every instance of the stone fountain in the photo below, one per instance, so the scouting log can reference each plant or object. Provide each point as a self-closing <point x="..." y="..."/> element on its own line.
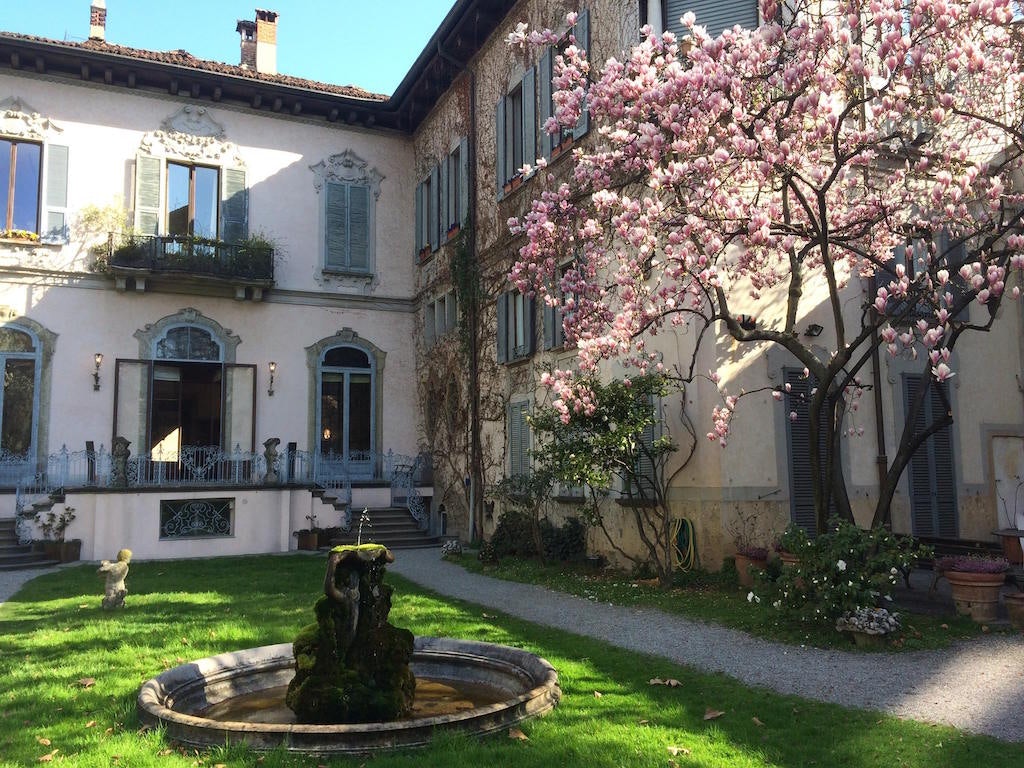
<point x="351" y="682"/>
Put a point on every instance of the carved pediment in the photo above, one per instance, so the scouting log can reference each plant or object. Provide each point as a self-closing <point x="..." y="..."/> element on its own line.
<point x="192" y="134"/>
<point x="19" y="119"/>
<point x="349" y="168"/>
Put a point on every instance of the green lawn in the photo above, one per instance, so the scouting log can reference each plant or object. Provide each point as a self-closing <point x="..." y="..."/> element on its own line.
<point x="69" y="674"/>
<point x="716" y="598"/>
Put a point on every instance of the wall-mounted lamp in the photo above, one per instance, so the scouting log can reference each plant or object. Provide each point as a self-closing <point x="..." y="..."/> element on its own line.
<point x="273" y="369"/>
<point x="98" y="360"/>
<point x="813" y="330"/>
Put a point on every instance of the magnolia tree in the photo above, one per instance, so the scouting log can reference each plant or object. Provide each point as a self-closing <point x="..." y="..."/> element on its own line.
<point x="790" y="161"/>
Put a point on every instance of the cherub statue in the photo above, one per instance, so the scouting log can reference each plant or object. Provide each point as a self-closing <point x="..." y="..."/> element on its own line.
<point x="116" y="572"/>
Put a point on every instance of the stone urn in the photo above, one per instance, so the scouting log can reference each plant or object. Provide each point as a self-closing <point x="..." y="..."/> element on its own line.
<point x="1015" y="609"/>
<point x="749" y="562"/>
<point x="976" y="594"/>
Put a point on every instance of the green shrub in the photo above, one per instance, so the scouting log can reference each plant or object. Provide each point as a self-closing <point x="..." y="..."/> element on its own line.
<point x="513" y="537"/>
<point x="566" y="542"/>
<point x="842" y="570"/>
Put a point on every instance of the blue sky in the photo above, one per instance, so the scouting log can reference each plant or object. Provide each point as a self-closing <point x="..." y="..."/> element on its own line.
<point x="371" y="44"/>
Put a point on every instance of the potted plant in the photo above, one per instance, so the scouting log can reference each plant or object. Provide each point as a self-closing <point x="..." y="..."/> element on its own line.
<point x="308" y="538"/>
<point x="976" y="582"/>
<point x="792" y="544"/>
<point x="53" y="525"/>
<point x="325" y="536"/>
<point x="750" y="555"/>
<point x="868" y="627"/>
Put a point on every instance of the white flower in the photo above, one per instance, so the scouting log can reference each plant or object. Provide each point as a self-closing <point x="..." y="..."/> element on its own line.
<point x="893" y="570"/>
<point x="750" y="597"/>
<point x="841" y="565"/>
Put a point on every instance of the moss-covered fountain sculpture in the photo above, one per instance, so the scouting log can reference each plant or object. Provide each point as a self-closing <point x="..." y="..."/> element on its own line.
<point x="351" y="682"/>
<point x="352" y="665"/>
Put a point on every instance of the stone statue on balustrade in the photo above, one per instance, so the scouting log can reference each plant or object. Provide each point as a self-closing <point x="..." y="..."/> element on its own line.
<point x="116" y="572"/>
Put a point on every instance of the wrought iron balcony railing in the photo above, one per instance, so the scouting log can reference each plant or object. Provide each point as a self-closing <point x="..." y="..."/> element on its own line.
<point x="251" y="259"/>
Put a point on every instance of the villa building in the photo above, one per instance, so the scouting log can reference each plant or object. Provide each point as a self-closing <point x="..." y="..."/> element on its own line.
<point x="204" y="258"/>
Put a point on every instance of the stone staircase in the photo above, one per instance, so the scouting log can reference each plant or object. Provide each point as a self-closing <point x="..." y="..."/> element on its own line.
<point x="15" y="556"/>
<point x="393" y="527"/>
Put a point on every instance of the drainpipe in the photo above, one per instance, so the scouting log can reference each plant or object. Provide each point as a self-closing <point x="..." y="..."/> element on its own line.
<point x="476" y="482"/>
<point x="881" y="460"/>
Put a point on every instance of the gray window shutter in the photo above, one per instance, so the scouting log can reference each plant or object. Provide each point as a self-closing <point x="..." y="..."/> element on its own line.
<point x="239" y="407"/>
<point x="499" y="141"/>
<point x="335" y="224"/>
<point x="645" y="469"/>
<point x="519" y="439"/>
<point x="716" y="15"/>
<point x="55" y="228"/>
<point x="530" y="306"/>
<point x="546" y="109"/>
<point x="435" y="218"/>
<point x="147" y="194"/>
<point x="464" y="180"/>
<point x="234" y="209"/>
<point x="503" y="328"/>
<point x="445" y="216"/>
<point x="930" y="474"/>
<point x="359" y="227"/>
<point x="529" y="117"/>
<point x="582" y="32"/>
<point x="549" y="326"/>
<point x="801" y="481"/>
<point x="419" y="218"/>
<point x="131" y="407"/>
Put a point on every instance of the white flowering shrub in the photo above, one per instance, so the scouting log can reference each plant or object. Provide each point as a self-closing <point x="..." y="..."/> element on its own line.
<point x="840" y="572"/>
<point x="451" y="549"/>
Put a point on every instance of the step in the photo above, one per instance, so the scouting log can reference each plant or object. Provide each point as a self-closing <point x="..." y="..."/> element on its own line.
<point x="23" y="559"/>
<point x="4" y="566"/>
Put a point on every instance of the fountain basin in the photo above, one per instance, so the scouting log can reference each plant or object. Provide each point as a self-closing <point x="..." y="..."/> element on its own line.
<point x="522" y="685"/>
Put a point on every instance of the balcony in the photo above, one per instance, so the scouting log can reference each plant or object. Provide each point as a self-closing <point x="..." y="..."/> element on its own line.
<point x="140" y="262"/>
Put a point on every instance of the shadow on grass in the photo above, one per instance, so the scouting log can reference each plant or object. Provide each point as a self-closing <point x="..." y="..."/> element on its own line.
<point x="609" y="716"/>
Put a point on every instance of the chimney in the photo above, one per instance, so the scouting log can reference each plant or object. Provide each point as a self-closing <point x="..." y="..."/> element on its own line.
<point x="98" y="20"/>
<point x="247" y="30"/>
<point x="266" y="42"/>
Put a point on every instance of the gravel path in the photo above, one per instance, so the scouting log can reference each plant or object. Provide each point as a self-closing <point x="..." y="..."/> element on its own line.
<point x="976" y="686"/>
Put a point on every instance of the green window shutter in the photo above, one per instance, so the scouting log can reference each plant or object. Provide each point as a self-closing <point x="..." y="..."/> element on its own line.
<point x="529" y="117"/>
<point x="55" y="229"/>
<point x="148" y="171"/>
<point x="419" y="218"/>
<point x="530" y="306"/>
<point x="547" y="140"/>
<point x="359" y="227"/>
<point x="499" y="147"/>
<point x="445" y="216"/>
<point x="549" y="326"/>
<point x="502" y="307"/>
<point x="335" y="225"/>
<point x="435" y="214"/>
<point x="582" y="32"/>
<point x="464" y="179"/>
<point x="716" y="15"/>
<point x="801" y="481"/>
<point x="519" y="439"/>
<point x="234" y="208"/>
<point x="645" y="469"/>
<point x="931" y="474"/>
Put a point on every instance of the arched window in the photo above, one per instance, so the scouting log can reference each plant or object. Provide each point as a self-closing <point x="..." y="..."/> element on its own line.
<point x="347" y="399"/>
<point x="19" y="410"/>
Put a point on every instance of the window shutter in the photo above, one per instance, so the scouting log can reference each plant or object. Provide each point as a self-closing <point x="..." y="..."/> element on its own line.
<point x="530" y="306"/>
<point x="549" y="326"/>
<point x="463" y="191"/>
<point x="519" y="439"/>
<point x="336" y="224"/>
<point x="931" y="473"/>
<point x="801" y="481"/>
<point x="131" y="402"/>
<point x="429" y="332"/>
<point x="529" y="117"/>
<point x="582" y="33"/>
<point x="645" y="475"/>
<point x="419" y="218"/>
<point x="239" y="407"/>
<point x="359" y="227"/>
<point x="503" y="328"/>
<point x="451" y="311"/>
<point x="716" y="15"/>
<point x="55" y="229"/>
<point x="147" y="194"/>
<point x="434" y="213"/>
<point x="234" y="209"/>
<point x="546" y="108"/>
<point x="445" y="216"/>
<point x="499" y="147"/>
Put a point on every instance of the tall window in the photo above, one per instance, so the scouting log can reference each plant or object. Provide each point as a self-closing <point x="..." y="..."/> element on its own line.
<point x="19" y="356"/>
<point x="515" y="326"/>
<point x="193" y="192"/>
<point x="347" y="404"/>
<point x="442" y="200"/>
<point x="516" y="129"/>
<point x="20" y="171"/>
<point x="347" y="245"/>
<point x="931" y="473"/>
<point x="518" y="439"/>
<point x="550" y="142"/>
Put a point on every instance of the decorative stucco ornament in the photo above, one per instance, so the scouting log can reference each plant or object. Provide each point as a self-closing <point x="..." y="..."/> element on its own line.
<point x="191" y="134"/>
<point x="20" y="120"/>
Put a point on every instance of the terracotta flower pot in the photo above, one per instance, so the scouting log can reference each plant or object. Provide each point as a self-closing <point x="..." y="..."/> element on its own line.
<point x="976" y="594"/>
<point x="307" y="540"/>
<point x="745" y="567"/>
<point x="1015" y="609"/>
<point x="788" y="558"/>
<point x="70" y="550"/>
